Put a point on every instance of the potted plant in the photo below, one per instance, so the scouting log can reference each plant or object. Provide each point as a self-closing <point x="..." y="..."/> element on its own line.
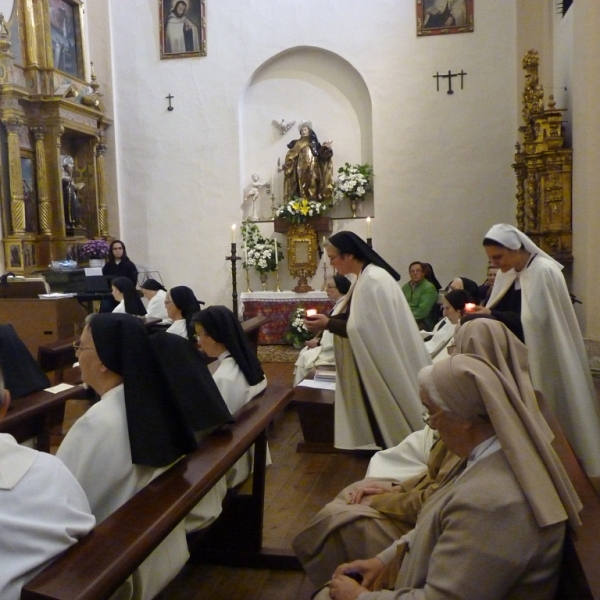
<point x="297" y="333"/>
<point x="353" y="183"/>
<point x="95" y="251"/>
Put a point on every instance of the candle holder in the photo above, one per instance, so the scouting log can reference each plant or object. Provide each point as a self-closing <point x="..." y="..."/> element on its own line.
<point x="273" y="209"/>
<point x="370" y="242"/>
<point x="247" y="280"/>
<point x="277" y="288"/>
<point x="234" y="295"/>
<point x="324" y="276"/>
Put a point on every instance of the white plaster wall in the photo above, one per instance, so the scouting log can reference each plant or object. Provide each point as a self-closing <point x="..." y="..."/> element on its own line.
<point x="586" y="150"/>
<point x="442" y="162"/>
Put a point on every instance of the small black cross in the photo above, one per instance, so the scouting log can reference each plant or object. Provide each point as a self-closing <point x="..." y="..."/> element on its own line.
<point x="449" y="78"/>
<point x="169" y="98"/>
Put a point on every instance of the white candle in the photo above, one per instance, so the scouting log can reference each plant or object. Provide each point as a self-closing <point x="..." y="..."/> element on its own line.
<point x="276" y="257"/>
<point x="368" y="227"/>
<point x="311" y="312"/>
<point x="324" y="240"/>
<point x="233" y="234"/>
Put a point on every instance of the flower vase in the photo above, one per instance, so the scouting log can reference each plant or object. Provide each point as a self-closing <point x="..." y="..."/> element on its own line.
<point x="97" y="262"/>
<point x="353" y="206"/>
<point x="263" y="281"/>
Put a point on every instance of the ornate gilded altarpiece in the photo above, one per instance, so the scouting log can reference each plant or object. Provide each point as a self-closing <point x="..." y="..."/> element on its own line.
<point x="544" y="170"/>
<point x="48" y="110"/>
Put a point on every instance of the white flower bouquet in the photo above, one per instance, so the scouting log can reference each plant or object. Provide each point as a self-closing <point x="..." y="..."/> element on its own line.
<point x="353" y="182"/>
<point x="259" y="252"/>
<point x="299" y="210"/>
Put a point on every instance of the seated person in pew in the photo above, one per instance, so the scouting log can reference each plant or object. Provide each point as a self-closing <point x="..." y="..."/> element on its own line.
<point x="442" y="336"/>
<point x="134" y="433"/>
<point x="318" y="351"/>
<point x="239" y="376"/>
<point x="44" y="510"/>
<point x="495" y="528"/>
<point x="125" y="294"/>
<point x="182" y="305"/>
<point x="421" y="296"/>
<point x="368" y="515"/>
<point x="22" y="374"/>
<point x="155" y="294"/>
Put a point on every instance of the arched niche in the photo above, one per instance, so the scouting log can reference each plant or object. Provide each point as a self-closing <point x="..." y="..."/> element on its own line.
<point x="296" y="84"/>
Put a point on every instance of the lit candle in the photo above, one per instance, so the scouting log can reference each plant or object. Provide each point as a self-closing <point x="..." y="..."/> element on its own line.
<point x="233" y="234"/>
<point x="276" y="257"/>
<point x="368" y="227"/>
<point x="311" y="312"/>
<point x="469" y="307"/>
<point x="324" y="240"/>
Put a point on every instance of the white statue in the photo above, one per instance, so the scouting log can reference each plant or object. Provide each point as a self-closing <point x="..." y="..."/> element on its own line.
<point x="253" y="195"/>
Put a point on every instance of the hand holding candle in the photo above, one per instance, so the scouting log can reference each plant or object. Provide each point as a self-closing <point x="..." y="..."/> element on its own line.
<point x="470" y="307"/>
<point x="311" y="312"/>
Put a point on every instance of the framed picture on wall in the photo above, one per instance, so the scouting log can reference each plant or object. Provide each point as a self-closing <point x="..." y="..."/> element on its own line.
<point x="182" y="28"/>
<point x="29" y="194"/>
<point x="436" y="17"/>
<point x="65" y="33"/>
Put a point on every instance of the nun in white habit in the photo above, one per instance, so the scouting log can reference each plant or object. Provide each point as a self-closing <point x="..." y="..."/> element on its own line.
<point x="181" y="304"/>
<point x="155" y="294"/>
<point x="558" y="360"/>
<point x="44" y="510"/>
<point x="134" y="433"/>
<point x="239" y="376"/>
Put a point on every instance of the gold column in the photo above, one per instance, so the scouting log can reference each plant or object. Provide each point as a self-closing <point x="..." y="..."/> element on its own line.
<point x="30" y="39"/>
<point x="44" y="207"/>
<point x="58" y="133"/>
<point x="102" y="209"/>
<point x="17" y="203"/>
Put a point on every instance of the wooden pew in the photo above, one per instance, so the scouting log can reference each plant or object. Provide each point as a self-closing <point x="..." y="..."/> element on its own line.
<point x="98" y="564"/>
<point x="580" y="571"/>
<point x="36" y="414"/>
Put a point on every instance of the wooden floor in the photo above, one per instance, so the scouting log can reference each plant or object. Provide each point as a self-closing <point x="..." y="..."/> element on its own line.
<point x="298" y="485"/>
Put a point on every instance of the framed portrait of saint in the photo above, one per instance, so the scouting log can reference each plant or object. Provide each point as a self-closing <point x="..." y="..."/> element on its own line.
<point x="437" y="17"/>
<point x="65" y="33"/>
<point x="182" y="28"/>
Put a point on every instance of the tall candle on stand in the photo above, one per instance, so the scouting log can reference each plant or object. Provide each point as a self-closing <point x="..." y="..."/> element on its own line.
<point x="233" y="234"/>
<point x="368" y="227"/>
<point x="276" y="257"/>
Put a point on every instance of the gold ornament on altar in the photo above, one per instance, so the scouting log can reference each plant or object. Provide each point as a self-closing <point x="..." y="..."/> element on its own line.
<point x="543" y="167"/>
<point x="302" y="255"/>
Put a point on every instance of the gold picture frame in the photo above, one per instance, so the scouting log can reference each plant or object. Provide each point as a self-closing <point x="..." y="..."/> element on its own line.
<point x="182" y="28"/>
<point x="302" y="254"/>
<point x="66" y="37"/>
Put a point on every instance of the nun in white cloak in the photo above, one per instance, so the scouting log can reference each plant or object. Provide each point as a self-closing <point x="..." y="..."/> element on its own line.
<point x="558" y="360"/>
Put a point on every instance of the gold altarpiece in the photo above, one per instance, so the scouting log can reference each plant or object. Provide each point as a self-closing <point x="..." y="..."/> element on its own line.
<point x="543" y="167"/>
<point x="48" y="110"/>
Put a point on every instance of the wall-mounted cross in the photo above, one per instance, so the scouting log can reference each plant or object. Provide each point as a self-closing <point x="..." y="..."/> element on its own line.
<point x="449" y="78"/>
<point x="169" y="98"/>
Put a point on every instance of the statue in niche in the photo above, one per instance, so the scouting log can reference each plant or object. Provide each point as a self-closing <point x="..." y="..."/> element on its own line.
<point x="253" y="195"/>
<point x="71" y="202"/>
<point x="308" y="169"/>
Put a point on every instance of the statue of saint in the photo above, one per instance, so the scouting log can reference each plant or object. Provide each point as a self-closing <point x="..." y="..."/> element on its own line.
<point x="71" y="203"/>
<point x="308" y="169"/>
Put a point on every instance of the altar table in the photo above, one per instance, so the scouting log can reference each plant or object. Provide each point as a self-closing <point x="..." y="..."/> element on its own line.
<point x="279" y="306"/>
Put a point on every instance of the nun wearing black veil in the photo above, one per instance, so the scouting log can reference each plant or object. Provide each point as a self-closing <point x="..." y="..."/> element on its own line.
<point x="135" y="432"/>
<point x="181" y="304"/>
<point x="378" y="351"/>
<point x="239" y="376"/>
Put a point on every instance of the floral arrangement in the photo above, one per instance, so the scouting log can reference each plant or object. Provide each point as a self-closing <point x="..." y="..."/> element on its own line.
<point x="299" y="210"/>
<point x="94" y="249"/>
<point x="353" y="182"/>
<point x="259" y="252"/>
<point x="298" y="334"/>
